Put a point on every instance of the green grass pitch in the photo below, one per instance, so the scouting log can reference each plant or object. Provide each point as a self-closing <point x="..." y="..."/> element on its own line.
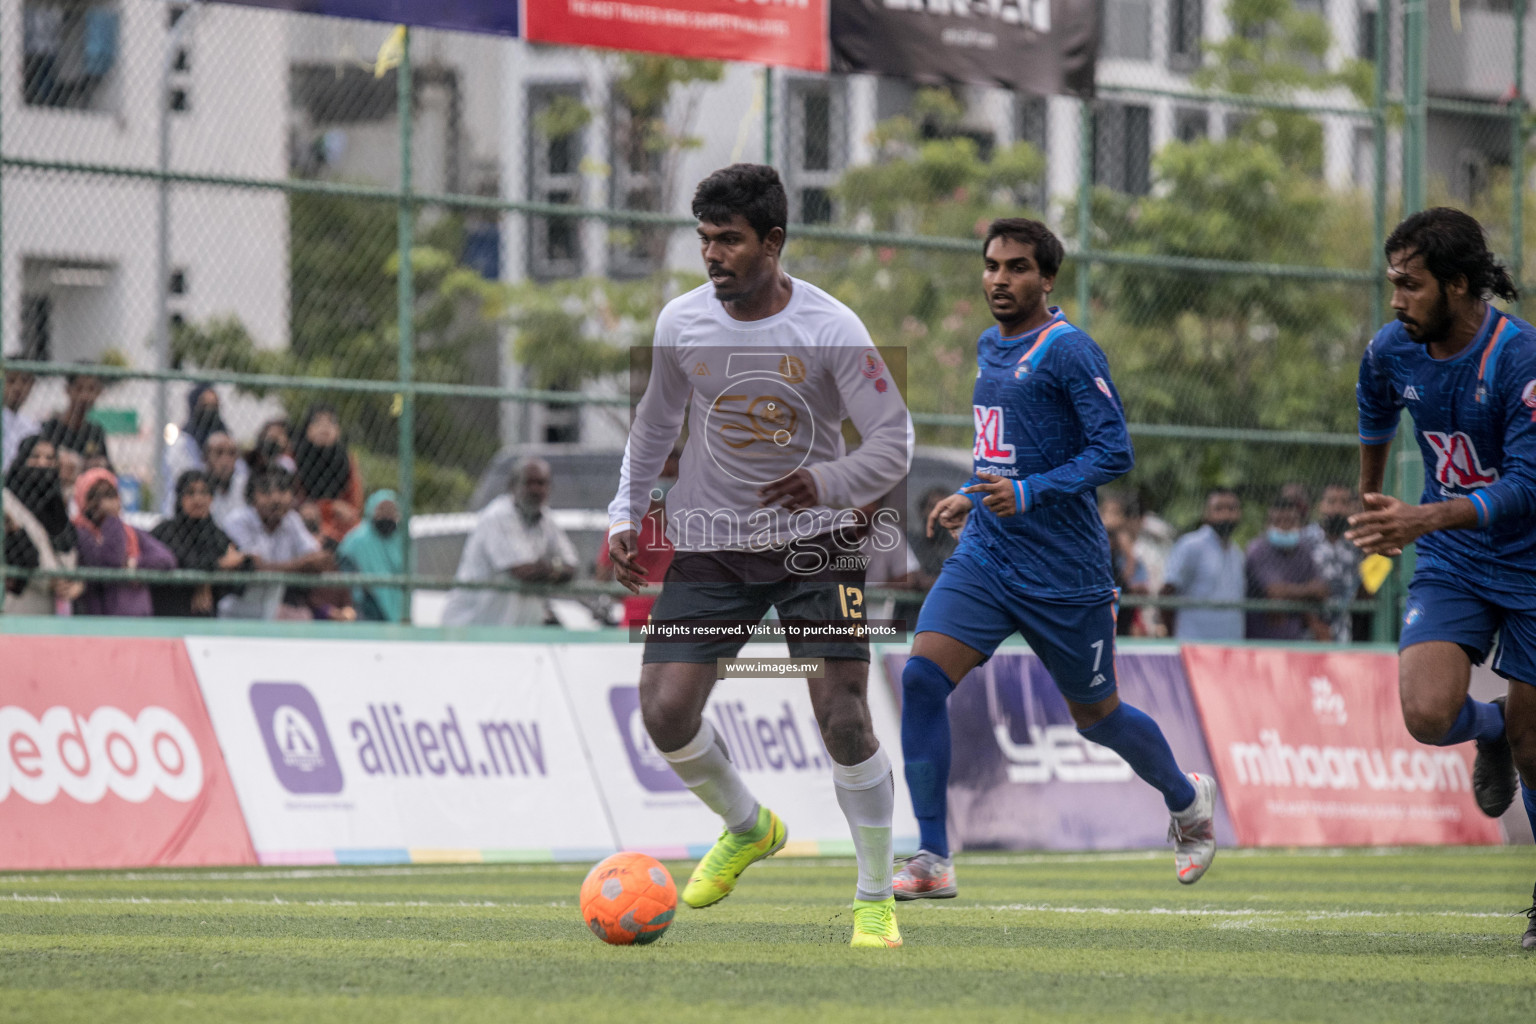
<point x="1350" y="936"/>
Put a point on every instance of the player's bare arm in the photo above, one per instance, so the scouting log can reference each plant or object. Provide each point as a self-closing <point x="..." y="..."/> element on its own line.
<point x="622" y="548"/>
<point x="999" y="494"/>
<point x="795" y="491"/>
<point x="1373" y="467"/>
<point x="950" y="513"/>
<point x="1388" y="525"/>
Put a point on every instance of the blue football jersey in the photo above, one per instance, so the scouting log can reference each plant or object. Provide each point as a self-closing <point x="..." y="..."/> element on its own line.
<point x="1475" y="419"/>
<point x="1049" y="418"/>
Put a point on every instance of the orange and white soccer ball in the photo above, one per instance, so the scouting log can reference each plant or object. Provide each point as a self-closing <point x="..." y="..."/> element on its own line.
<point x="628" y="899"/>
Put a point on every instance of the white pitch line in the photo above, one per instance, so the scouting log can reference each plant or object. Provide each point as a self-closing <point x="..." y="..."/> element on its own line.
<point x="1305" y="915"/>
<point x="54" y="898"/>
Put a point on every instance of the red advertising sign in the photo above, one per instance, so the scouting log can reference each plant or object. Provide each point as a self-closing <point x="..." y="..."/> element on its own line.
<point x="789" y="33"/>
<point x="108" y="759"/>
<point x="1310" y="750"/>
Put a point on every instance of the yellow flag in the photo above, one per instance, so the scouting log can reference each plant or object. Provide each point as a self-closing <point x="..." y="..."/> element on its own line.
<point x="391" y="53"/>
<point x="1373" y="572"/>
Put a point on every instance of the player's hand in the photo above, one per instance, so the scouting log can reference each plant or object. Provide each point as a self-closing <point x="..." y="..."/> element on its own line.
<point x="622" y="549"/>
<point x="795" y="491"/>
<point x="1386" y="526"/>
<point x="950" y="513"/>
<point x="998" y="494"/>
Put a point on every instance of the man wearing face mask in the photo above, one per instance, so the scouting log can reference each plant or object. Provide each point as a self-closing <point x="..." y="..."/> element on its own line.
<point x="514" y="537"/>
<point x="1337" y="558"/>
<point x="1280" y="567"/>
<point x="376" y="546"/>
<point x="1207" y="565"/>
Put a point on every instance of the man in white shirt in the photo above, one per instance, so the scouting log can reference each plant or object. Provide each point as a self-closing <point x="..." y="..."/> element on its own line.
<point x="275" y="538"/>
<point x="766" y="367"/>
<point x="14" y="426"/>
<point x="516" y="538"/>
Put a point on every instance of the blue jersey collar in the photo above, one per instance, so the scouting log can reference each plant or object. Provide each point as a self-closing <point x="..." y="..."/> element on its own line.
<point x="1029" y="336"/>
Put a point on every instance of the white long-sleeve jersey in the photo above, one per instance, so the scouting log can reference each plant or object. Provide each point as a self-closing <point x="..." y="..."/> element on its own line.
<point x="763" y="398"/>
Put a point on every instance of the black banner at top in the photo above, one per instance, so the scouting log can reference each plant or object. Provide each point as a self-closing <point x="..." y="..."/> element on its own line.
<point x="1033" y="46"/>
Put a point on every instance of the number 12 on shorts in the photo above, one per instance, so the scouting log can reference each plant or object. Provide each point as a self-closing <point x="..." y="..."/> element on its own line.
<point x="851" y="599"/>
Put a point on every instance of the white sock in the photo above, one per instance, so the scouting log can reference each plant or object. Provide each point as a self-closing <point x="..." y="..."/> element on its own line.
<point x="706" y="769"/>
<point x="867" y="794"/>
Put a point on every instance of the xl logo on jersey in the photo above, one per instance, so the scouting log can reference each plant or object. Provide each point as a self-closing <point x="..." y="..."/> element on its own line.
<point x="1456" y="461"/>
<point x="989" y="435"/>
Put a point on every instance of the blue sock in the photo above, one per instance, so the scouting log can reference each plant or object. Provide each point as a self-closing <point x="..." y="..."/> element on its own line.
<point x="925" y="748"/>
<point x="1135" y="737"/>
<point x="1530" y="804"/>
<point x="1477" y="721"/>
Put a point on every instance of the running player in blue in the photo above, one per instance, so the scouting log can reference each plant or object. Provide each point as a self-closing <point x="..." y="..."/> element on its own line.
<point x="1034" y="557"/>
<point x="1467" y="374"/>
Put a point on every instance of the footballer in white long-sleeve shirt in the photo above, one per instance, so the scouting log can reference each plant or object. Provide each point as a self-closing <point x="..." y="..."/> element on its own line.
<point x="766" y="368"/>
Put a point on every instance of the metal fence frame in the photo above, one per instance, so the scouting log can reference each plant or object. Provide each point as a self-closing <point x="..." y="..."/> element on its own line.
<point x="1410" y="106"/>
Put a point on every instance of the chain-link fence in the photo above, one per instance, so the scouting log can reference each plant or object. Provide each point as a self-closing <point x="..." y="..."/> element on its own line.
<point x="203" y="194"/>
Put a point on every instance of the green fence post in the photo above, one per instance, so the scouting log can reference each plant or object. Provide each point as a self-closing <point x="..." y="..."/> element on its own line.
<point x="1084" y="210"/>
<point x="1517" y="157"/>
<point x="1415" y="109"/>
<point x="406" y="302"/>
<point x="768" y="116"/>
<point x="1379" y="159"/>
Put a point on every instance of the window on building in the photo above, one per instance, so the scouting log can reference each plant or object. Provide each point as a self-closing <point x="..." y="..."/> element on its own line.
<point x="69" y="50"/>
<point x="556" y="144"/>
<point x="634" y="250"/>
<point x="1122" y="147"/>
<point x="817" y="136"/>
<point x="1191" y="123"/>
<point x="1186" y="24"/>
<point x="36" y="327"/>
<point x="1128" y="29"/>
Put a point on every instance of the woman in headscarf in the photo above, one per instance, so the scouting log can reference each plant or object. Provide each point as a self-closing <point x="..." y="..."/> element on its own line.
<point x="38" y="533"/>
<point x="203" y="421"/>
<point x="326" y="473"/>
<point x="198" y="543"/>
<point x="108" y="542"/>
<point x="375" y="545"/>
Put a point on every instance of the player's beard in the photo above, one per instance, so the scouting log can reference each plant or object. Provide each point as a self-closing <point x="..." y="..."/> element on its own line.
<point x="1436" y="327"/>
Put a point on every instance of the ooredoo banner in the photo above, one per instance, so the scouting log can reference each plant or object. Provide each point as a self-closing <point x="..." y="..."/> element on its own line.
<point x="790" y="33"/>
<point x="1023" y="777"/>
<point x="1310" y="750"/>
<point x="770" y="729"/>
<point x="107" y="758"/>
<point x="357" y="752"/>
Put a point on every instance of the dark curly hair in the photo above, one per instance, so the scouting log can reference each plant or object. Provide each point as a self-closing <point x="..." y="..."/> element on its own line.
<point x="1048" y="249"/>
<point x="1452" y="245"/>
<point x="752" y="190"/>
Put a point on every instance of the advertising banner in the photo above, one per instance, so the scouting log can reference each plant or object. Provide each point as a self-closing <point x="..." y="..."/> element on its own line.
<point x="789" y="33"/>
<point x="494" y="16"/>
<point x="767" y="724"/>
<point x="358" y="752"/>
<point x="1310" y="750"/>
<point x="1022" y="776"/>
<point x="1035" y="46"/>
<point x="107" y="758"/>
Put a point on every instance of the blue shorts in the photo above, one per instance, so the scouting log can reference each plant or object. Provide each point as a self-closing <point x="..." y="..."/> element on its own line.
<point x="1075" y="642"/>
<point x="1463" y="613"/>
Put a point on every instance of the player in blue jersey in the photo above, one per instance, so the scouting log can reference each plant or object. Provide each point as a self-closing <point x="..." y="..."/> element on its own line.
<point x="1033" y="557"/>
<point x="1467" y="374"/>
